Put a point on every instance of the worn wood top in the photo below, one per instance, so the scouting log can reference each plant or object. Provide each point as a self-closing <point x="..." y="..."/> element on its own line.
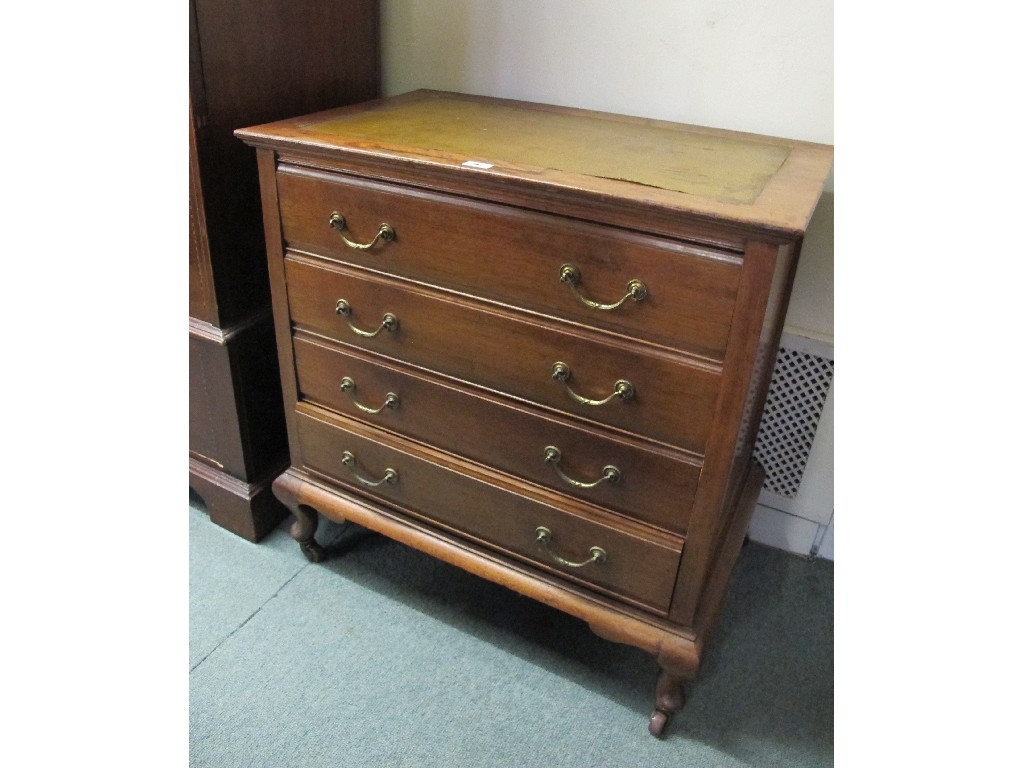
<point x="745" y="179"/>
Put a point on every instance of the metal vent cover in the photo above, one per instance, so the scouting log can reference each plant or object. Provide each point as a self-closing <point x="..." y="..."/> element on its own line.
<point x="796" y="397"/>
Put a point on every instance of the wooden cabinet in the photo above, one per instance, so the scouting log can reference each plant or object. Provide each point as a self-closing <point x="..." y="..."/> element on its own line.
<point x="535" y="342"/>
<point x="250" y="62"/>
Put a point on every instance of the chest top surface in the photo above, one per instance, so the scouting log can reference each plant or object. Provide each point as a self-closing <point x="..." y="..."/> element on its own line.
<point x="745" y="179"/>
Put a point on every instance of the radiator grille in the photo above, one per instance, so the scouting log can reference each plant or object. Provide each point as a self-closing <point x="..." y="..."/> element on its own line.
<point x="796" y="397"/>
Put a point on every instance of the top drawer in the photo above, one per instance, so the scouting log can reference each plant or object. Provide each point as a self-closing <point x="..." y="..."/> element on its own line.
<point x="517" y="257"/>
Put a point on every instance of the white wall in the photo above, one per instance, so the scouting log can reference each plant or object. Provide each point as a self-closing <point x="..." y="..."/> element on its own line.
<point x="764" y="67"/>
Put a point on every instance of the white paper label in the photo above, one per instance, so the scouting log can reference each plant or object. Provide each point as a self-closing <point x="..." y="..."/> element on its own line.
<point x="478" y="164"/>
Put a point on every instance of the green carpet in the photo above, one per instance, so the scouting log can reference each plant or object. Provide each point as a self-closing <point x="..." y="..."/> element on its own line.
<point x="382" y="656"/>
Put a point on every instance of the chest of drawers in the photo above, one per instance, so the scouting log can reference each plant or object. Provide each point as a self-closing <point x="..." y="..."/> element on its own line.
<point x="535" y="342"/>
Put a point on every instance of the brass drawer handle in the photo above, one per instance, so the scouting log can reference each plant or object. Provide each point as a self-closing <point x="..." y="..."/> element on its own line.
<point x="570" y="273"/>
<point x="623" y="389"/>
<point x="385" y="233"/>
<point x="390" y="475"/>
<point x="390" y="400"/>
<point x="390" y="322"/>
<point x="544" y="536"/>
<point x="609" y="474"/>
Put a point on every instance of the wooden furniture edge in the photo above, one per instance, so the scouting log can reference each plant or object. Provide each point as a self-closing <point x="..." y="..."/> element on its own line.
<point x="249" y="510"/>
<point x="729" y="552"/>
<point x="770" y="217"/>
<point x="719" y="456"/>
<point x="267" y="165"/>
<point x="674" y="647"/>
<point x="217" y="335"/>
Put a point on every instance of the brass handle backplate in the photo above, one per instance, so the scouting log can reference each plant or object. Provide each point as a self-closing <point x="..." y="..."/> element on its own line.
<point x="544" y="537"/>
<point x="623" y="389"/>
<point x="386" y="233"/>
<point x="390" y="400"/>
<point x="570" y="274"/>
<point x="609" y="474"/>
<point x="390" y="475"/>
<point x="389" y="323"/>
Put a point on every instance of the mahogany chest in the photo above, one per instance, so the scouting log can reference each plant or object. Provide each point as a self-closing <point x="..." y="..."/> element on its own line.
<point x="535" y="342"/>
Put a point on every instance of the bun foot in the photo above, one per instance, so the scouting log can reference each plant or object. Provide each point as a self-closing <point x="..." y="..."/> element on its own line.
<point x="668" y="699"/>
<point x="313" y="551"/>
<point x="658" y="722"/>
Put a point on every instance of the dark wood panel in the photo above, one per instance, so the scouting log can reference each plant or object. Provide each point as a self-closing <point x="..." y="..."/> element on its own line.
<point x="269" y="59"/>
<point x="236" y="416"/>
<point x="214" y="434"/>
<point x="266" y="60"/>
<point x="249" y="61"/>
<point x="202" y="299"/>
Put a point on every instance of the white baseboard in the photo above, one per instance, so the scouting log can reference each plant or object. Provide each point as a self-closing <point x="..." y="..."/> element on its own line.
<point x="825" y="549"/>
<point x="791" y="533"/>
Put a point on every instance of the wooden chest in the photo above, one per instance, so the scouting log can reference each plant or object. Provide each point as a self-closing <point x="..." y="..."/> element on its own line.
<point x="535" y="342"/>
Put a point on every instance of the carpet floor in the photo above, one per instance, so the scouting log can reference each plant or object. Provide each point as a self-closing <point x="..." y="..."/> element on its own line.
<point x="382" y="656"/>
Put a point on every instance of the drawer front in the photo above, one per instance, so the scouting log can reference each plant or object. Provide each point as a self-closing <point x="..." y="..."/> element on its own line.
<point x="516" y="257"/>
<point x="651" y="486"/>
<point x="671" y="402"/>
<point x="635" y="567"/>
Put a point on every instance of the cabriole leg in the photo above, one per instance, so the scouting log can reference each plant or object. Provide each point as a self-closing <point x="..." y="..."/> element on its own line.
<point x="303" y="530"/>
